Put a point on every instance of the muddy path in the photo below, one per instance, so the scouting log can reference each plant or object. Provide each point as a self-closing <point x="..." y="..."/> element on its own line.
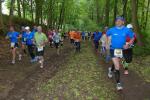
<point x="21" y="81"/>
<point x="29" y="75"/>
<point x="135" y="87"/>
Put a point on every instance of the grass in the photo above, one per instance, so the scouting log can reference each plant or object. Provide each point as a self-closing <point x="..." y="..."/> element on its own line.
<point x="82" y="78"/>
<point x="141" y="65"/>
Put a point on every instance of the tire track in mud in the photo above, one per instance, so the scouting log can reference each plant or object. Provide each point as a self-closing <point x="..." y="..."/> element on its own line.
<point x="22" y="89"/>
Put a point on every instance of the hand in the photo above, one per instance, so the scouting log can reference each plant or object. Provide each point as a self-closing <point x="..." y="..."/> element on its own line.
<point x="126" y="46"/>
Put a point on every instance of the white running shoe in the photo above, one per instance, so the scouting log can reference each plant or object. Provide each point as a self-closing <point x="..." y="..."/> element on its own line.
<point x="41" y="66"/>
<point x="119" y="86"/>
<point x="110" y="74"/>
<point x="13" y="62"/>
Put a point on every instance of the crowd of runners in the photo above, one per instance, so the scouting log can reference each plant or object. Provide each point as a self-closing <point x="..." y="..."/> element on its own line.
<point x="114" y="43"/>
<point x="33" y="42"/>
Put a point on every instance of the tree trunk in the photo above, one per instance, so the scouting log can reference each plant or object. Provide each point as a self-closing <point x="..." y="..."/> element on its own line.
<point x="50" y="14"/>
<point x="135" y="21"/>
<point x="147" y="14"/>
<point x="11" y="11"/>
<point x="32" y="10"/>
<point x="61" y="17"/>
<point x="142" y="15"/>
<point x="24" y="9"/>
<point x="97" y="10"/>
<point x="115" y="10"/>
<point x="1" y="19"/>
<point x="125" y="9"/>
<point x="39" y="4"/>
<point x="107" y="5"/>
<point x="18" y="5"/>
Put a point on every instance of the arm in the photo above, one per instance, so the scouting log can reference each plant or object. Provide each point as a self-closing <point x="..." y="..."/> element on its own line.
<point x="108" y="34"/>
<point x="131" y="35"/>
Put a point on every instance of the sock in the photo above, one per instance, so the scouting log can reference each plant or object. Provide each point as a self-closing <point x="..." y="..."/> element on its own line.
<point x="117" y="76"/>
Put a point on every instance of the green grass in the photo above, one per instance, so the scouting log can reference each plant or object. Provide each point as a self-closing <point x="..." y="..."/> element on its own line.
<point x="82" y="78"/>
<point x="141" y="65"/>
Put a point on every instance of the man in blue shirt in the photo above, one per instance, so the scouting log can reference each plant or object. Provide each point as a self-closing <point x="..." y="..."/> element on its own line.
<point x="23" y="40"/>
<point x="29" y="37"/>
<point x="13" y="36"/>
<point x="118" y="36"/>
<point x="96" y="37"/>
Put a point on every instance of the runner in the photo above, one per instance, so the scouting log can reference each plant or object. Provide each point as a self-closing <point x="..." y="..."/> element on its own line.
<point x="128" y="52"/>
<point x="23" y="44"/>
<point x="29" y="37"/>
<point x="106" y="52"/>
<point x="34" y="29"/>
<point x="61" y="34"/>
<point x="77" y="38"/>
<point x="50" y="37"/>
<point x="57" y="40"/>
<point x="71" y="35"/>
<point x="14" y="36"/>
<point x="103" y="41"/>
<point x="40" y="41"/>
<point x="89" y="36"/>
<point x="83" y="35"/>
<point x="118" y="36"/>
<point x="96" y="37"/>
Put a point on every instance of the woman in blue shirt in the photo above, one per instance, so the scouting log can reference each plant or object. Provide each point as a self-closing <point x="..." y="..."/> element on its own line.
<point x="29" y="37"/>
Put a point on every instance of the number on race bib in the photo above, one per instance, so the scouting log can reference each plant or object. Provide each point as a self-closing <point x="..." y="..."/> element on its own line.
<point x="118" y="53"/>
<point x="12" y="45"/>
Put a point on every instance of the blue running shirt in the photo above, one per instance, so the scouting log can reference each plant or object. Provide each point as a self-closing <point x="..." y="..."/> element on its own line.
<point x="118" y="36"/>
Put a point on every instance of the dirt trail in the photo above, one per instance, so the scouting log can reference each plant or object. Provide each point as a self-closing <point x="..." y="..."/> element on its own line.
<point x="20" y="88"/>
<point x="20" y="81"/>
<point x="135" y="88"/>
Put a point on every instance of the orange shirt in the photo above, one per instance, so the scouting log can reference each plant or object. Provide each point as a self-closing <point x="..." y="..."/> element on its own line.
<point x="77" y="36"/>
<point x="71" y="34"/>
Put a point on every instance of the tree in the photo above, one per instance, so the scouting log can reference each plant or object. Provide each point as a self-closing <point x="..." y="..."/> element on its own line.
<point x="39" y="5"/>
<point x="125" y="8"/>
<point x="115" y="10"/>
<point x="18" y="5"/>
<point x="97" y="11"/>
<point x="62" y="12"/>
<point x="11" y="12"/>
<point x="147" y="13"/>
<point x="107" y="5"/>
<point x="1" y="19"/>
<point x="135" y="20"/>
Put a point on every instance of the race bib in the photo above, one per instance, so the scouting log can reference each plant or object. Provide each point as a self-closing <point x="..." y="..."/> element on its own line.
<point x="118" y="53"/>
<point x="25" y="39"/>
<point x="12" y="45"/>
<point x="57" y="41"/>
<point x="40" y="49"/>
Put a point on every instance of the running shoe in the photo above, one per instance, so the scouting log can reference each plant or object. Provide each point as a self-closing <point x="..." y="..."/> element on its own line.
<point x="110" y="74"/>
<point x="41" y="66"/>
<point x="13" y="62"/>
<point x="119" y="86"/>
<point x="33" y="60"/>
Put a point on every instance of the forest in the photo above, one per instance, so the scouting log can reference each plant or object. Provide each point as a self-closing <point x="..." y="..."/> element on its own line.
<point x="72" y="76"/>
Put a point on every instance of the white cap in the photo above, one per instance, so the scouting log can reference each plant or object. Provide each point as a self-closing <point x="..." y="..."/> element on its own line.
<point x="129" y="26"/>
<point x="27" y="28"/>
